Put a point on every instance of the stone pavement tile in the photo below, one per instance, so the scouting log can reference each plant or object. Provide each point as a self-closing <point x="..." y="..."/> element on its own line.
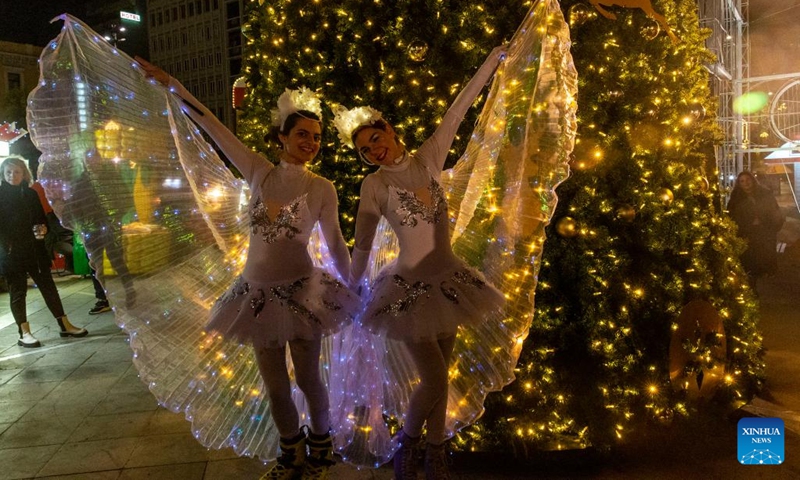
<point x="184" y="471"/>
<point x="16" y="463"/>
<point x="101" y="327"/>
<point x="166" y="422"/>
<point x="130" y="382"/>
<point x="60" y="408"/>
<point x="8" y="374"/>
<point x="43" y="373"/>
<point x="18" y="357"/>
<point x="50" y="431"/>
<point x="68" y="351"/>
<point x="126" y="402"/>
<point x="100" y="371"/>
<point x="172" y="449"/>
<point x="60" y="355"/>
<point x="94" y="456"/>
<point x="26" y="392"/>
<point x="86" y="391"/>
<point x="107" y="475"/>
<point x="12" y="411"/>
<point x="236" y="469"/>
<point x="122" y="425"/>
<point x="111" y="353"/>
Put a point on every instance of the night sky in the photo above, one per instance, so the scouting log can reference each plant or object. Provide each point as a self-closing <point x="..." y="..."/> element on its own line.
<point x="28" y="21"/>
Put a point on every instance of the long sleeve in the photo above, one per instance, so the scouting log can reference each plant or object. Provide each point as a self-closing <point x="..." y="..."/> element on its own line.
<point x="329" y="222"/>
<point x="245" y="160"/>
<point x="369" y="214"/>
<point x="38" y="215"/>
<point x="435" y="148"/>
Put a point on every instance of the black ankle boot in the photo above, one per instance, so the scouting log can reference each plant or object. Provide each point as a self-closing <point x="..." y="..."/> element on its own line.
<point x="291" y="461"/>
<point x="406" y="457"/>
<point x="320" y="457"/>
<point x="436" y="462"/>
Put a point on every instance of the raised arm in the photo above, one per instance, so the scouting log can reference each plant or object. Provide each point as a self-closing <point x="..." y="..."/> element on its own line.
<point x="329" y="223"/>
<point x="245" y="160"/>
<point x="435" y="149"/>
<point x="369" y="214"/>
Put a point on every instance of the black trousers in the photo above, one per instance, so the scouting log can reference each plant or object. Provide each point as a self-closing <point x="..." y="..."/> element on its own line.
<point x="18" y="291"/>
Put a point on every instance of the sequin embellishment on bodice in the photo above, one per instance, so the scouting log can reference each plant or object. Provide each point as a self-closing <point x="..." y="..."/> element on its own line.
<point x="411" y="207"/>
<point x="284" y="223"/>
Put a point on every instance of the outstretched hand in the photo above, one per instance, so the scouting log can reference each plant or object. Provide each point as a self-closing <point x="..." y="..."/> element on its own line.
<point x="152" y="71"/>
<point x="500" y="53"/>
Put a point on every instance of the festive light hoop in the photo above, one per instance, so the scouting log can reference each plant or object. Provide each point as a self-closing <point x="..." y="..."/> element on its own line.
<point x="292" y="101"/>
<point x="347" y="121"/>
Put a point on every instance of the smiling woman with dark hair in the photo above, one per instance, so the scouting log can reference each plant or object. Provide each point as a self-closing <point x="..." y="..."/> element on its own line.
<point x="281" y="299"/>
<point x="422" y="298"/>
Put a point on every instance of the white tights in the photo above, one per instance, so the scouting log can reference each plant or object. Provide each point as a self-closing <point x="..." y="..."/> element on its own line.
<point x="305" y="357"/>
<point x="429" y="399"/>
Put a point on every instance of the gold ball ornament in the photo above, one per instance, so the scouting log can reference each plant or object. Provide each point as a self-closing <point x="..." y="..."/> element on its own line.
<point x="417" y="50"/>
<point x="651" y="29"/>
<point x="697" y="111"/>
<point x="578" y="14"/>
<point x="701" y="185"/>
<point x="665" y="195"/>
<point x="567" y="227"/>
<point x="626" y="213"/>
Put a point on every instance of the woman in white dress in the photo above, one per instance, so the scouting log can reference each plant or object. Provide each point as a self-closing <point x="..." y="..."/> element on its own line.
<point x="281" y="297"/>
<point x="422" y="297"/>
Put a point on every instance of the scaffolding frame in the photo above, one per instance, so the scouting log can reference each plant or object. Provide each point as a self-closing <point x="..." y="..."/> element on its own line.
<point x="730" y="43"/>
<point x="747" y="134"/>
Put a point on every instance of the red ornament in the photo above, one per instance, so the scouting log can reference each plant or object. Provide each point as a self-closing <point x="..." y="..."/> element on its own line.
<point x="239" y="90"/>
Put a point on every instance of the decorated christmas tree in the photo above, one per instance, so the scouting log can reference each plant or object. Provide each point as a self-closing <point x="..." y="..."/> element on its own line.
<point x="642" y="310"/>
<point x="408" y="58"/>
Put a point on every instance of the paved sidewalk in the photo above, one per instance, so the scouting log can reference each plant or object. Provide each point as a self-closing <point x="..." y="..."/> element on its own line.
<point x="75" y="409"/>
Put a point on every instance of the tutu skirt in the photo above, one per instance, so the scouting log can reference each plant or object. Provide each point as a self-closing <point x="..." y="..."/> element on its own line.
<point x="271" y="314"/>
<point x="405" y="308"/>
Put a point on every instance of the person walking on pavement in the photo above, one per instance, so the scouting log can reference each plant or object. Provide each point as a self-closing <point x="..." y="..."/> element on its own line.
<point x="22" y="251"/>
<point x="102" y="305"/>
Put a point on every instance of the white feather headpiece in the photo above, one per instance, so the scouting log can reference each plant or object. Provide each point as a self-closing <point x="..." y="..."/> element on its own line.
<point x="346" y="121"/>
<point x="291" y="101"/>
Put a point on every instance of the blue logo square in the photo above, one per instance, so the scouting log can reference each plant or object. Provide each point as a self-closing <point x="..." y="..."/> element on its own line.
<point x="760" y="441"/>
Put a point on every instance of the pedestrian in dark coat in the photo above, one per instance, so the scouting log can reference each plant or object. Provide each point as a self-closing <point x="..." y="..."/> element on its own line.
<point x="758" y="217"/>
<point x="23" y="253"/>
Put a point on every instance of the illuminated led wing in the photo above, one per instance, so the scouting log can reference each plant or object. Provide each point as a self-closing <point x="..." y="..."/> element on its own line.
<point x="501" y="196"/>
<point x="163" y="221"/>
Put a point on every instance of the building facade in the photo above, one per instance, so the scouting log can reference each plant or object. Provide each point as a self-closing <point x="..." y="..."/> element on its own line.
<point x="19" y="74"/>
<point x="123" y="23"/>
<point x="199" y="42"/>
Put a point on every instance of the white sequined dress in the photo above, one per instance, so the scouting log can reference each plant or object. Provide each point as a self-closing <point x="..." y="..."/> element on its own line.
<point x="427" y="292"/>
<point x="281" y="295"/>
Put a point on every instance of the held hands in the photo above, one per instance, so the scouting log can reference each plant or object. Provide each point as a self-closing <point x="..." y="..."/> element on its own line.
<point x="152" y="71"/>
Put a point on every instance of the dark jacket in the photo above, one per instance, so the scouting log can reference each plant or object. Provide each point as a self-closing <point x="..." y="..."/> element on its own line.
<point x="20" y="210"/>
<point x="758" y="218"/>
